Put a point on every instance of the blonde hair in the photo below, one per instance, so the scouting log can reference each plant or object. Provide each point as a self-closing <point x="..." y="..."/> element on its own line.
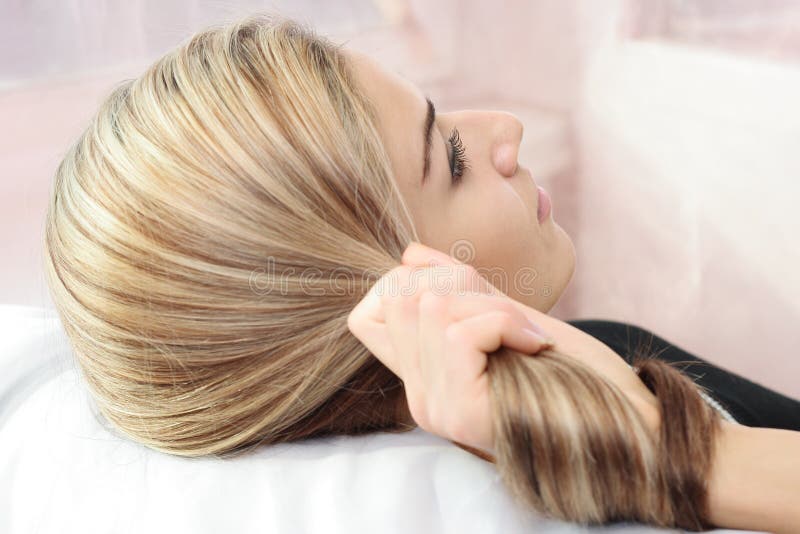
<point x="197" y="239"/>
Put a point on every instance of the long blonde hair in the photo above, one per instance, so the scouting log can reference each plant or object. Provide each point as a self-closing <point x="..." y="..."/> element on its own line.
<point x="207" y="237"/>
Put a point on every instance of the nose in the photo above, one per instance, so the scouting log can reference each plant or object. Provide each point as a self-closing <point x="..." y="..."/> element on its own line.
<point x="508" y="136"/>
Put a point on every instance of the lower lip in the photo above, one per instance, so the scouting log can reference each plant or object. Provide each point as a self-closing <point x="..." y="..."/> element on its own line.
<point x="545" y="205"/>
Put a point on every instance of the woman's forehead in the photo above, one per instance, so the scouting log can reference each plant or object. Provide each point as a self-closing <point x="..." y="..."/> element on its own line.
<point x="401" y="110"/>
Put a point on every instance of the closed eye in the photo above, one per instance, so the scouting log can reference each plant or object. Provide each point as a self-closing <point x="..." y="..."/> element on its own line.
<point x="457" y="159"/>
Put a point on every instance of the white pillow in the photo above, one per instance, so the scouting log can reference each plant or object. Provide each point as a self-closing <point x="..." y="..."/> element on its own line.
<point x="63" y="472"/>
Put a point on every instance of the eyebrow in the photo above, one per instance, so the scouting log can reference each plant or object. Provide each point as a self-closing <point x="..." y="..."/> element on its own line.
<point x="430" y="117"/>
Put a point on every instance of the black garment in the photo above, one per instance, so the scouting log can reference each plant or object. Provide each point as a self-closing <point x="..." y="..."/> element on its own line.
<point x="749" y="403"/>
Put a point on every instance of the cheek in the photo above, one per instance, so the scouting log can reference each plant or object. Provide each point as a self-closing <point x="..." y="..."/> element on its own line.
<point x="495" y="230"/>
<point x="491" y="227"/>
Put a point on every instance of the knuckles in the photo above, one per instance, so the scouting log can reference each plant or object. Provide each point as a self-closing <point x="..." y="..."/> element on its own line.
<point x="505" y="321"/>
<point x="410" y="281"/>
<point x="353" y="323"/>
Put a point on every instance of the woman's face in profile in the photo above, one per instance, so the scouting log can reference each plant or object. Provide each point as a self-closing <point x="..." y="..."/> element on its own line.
<point x="485" y="212"/>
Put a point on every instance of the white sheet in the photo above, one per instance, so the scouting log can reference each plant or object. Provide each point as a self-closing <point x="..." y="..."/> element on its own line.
<point x="62" y="471"/>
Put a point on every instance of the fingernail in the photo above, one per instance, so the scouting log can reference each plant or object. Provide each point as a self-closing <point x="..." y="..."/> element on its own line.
<point x="545" y="341"/>
<point x="534" y="335"/>
<point x="536" y="328"/>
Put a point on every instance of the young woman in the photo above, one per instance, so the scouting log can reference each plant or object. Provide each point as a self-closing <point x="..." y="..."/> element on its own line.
<point x="228" y="248"/>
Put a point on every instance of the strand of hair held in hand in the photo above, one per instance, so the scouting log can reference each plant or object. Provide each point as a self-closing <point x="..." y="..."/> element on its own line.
<point x="561" y="453"/>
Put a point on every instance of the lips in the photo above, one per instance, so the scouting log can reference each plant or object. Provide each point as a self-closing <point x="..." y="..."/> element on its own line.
<point x="545" y="205"/>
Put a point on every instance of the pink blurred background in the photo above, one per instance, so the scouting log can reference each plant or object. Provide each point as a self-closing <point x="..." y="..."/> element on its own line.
<point x="667" y="132"/>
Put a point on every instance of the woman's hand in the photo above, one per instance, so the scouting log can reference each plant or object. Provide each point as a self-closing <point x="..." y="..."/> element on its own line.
<point x="433" y="320"/>
<point x="433" y="326"/>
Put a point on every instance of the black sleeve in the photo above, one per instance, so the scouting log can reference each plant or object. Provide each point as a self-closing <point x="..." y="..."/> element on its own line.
<point x="750" y="403"/>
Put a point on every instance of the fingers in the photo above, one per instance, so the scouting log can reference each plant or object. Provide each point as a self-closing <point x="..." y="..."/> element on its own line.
<point x="490" y="330"/>
<point x="386" y="319"/>
<point x="445" y="267"/>
<point x="422" y="255"/>
<point x="400" y="302"/>
<point x="453" y="360"/>
<point x="436" y="340"/>
<point x="450" y="396"/>
<point x="455" y="335"/>
<point x="463" y="306"/>
<point x="367" y="322"/>
<point x="433" y="321"/>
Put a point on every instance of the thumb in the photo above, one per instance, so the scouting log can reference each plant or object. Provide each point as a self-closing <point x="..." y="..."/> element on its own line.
<point x="417" y="254"/>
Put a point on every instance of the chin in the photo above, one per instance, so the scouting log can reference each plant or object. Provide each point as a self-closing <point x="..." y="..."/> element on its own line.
<point x="572" y="260"/>
<point x="564" y="269"/>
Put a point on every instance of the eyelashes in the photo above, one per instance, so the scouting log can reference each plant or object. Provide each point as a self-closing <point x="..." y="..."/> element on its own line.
<point x="458" y="158"/>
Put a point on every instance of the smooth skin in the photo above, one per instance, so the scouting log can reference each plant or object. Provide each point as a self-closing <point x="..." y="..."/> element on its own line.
<point x="438" y="344"/>
<point x="488" y="218"/>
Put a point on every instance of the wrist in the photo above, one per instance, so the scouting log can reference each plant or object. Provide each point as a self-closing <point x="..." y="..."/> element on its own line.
<point x="754" y="479"/>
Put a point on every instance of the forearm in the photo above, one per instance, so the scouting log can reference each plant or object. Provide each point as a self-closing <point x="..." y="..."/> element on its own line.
<point x="755" y="479"/>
